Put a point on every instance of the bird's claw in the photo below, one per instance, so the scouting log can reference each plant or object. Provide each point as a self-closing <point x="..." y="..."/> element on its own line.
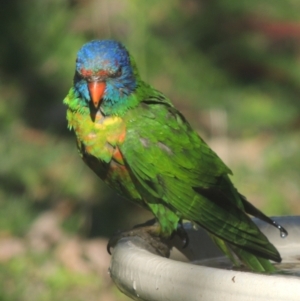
<point x="149" y="232"/>
<point x="114" y="239"/>
<point x="182" y="234"/>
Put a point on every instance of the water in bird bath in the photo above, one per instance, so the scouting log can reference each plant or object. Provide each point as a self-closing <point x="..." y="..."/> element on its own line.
<point x="290" y="265"/>
<point x="204" y="252"/>
<point x="216" y="262"/>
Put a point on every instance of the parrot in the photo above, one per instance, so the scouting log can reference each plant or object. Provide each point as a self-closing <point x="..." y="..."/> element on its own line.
<point x="138" y="143"/>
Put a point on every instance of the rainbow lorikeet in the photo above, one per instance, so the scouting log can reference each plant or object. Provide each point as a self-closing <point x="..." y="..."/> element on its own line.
<point x="138" y="143"/>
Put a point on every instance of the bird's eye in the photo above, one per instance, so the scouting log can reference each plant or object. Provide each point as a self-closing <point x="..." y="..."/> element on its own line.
<point x="118" y="73"/>
<point x="78" y="76"/>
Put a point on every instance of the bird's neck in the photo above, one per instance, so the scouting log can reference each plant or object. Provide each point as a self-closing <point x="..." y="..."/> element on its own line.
<point x="110" y="107"/>
<point x="119" y="107"/>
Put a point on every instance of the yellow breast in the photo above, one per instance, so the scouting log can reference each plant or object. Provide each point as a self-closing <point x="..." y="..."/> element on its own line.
<point x="99" y="134"/>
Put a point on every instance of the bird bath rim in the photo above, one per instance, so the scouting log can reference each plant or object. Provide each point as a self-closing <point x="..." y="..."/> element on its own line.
<point x="143" y="275"/>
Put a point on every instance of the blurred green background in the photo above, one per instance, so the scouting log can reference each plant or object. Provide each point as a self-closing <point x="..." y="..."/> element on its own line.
<point x="231" y="67"/>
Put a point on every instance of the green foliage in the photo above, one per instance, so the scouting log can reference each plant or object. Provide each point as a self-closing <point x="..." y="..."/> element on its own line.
<point x="16" y="214"/>
<point x="41" y="278"/>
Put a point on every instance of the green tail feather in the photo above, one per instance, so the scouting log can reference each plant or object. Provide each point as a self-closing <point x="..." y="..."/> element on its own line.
<point x="225" y="249"/>
<point x="253" y="262"/>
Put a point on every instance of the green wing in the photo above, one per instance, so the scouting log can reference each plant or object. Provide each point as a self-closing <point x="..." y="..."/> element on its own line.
<point x="174" y="168"/>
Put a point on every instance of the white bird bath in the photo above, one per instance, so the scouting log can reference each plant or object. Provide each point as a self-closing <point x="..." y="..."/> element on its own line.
<point x="143" y="275"/>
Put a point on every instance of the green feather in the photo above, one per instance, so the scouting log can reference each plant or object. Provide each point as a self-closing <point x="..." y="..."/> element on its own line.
<point x="181" y="172"/>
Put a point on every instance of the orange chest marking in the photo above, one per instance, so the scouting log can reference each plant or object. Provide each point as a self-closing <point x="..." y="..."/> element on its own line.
<point x="117" y="156"/>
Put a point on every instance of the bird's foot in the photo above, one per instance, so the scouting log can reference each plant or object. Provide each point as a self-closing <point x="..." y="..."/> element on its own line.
<point x="149" y="232"/>
<point x="181" y="233"/>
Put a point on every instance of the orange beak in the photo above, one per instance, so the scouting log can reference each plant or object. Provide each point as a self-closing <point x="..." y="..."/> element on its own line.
<point x="96" y="90"/>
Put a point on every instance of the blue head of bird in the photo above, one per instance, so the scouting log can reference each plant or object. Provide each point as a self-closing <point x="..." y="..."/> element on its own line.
<point x="104" y="74"/>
